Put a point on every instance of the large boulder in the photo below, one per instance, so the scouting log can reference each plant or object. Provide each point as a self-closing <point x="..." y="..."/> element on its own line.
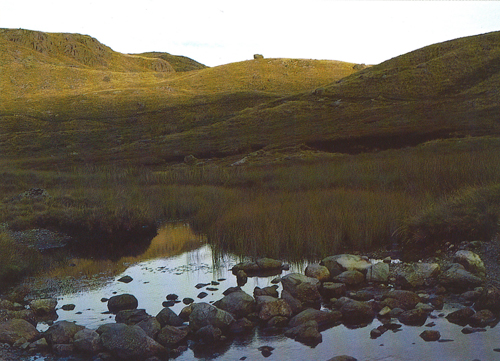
<point x="269" y="307"/>
<point x="25" y="314"/>
<point x="208" y="334"/>
<point x="238" y="303"/>
<point x="378" y="272"/>
<point x="129" y="342"/>
<point x="460" y="317"/>
<point x="317" y="271"/>
<point x="303" y="288"/>
<point x="458" y="278"/>
<point x="44" y="306"/>
<point x="151" y="326"/>
<point x="471" y="261"/>
<point x="203" y="314"/>
<point x="295" y="304"/>
<point x="323" y="318"/>
<point x="62" y="332"/>
<point x="355" y="312"/>
<point x="482" y="318"/>
<point x="15" y="329"/>
<point x="122" y="302"/>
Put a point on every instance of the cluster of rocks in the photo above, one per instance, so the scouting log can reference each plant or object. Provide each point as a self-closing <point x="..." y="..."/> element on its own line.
<point x="342" y="289"/>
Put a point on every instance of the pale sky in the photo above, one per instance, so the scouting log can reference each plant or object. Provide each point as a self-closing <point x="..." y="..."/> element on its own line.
<point x="216" y="32"/>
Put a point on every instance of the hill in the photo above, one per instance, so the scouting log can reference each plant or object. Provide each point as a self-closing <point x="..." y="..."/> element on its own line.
<point x="179" y="63"/>
<point x="70" y="97"/>
<point x="440" y="91"/>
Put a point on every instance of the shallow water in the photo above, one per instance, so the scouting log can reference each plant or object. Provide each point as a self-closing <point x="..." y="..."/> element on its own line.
<point x="154" y="279"/>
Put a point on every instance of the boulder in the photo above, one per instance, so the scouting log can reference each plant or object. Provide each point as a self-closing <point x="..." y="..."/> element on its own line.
<point x="482" y="318"/>
<point x="87" y="341"/>
<point x="125" y="279"/>
<point x="343" y="358"/>
<point x="15" y="329"/>
<point x="238" y="303"/>
<point x="269" y="307"/>
<point x="415" y="317"/>
<point x="268" y="264"/>
<point x="170" y="336"/>
<point x="456" y="277"/>
<point x="168" y="317"/>
<point x="27" y="315"/>
<point x="460" y="317"/>
<point x="332" y="290"/>
<point x="241" y="278"/>
<point x="62" y="332"/>
<point x="417" y="274"/>
<point x="471" y="261"/>
<point x="151" y="326"/>
<point x="294" y="303"/>
<point x="378" y="272"/>
<point x="266" y="291"/>
<point x="317" y="271"/>
<point x="129" y="342"/>
<point x="131" y="317"/>
<point x="122" y="302"/>
<point x="333" y="267"/>
<point x="430" y="335"/>
<point x="242" y="325"/>
<point x="43" y="307"/>
<point x="306" y="333"/>
<point x="350" y="278"/>
<point x="204" y="314"/>
<point x="303" y="288"/>
<point x="208" y="334"/>
<point x="406" y="300"/>
<point x="348" y="262"/>
<point x="355" y="312"/>
<point x="489" y="299"/>
<point x="322" y="318"/>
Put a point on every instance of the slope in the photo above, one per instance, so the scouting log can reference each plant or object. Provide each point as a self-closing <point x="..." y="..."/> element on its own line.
<point x="440" y="91"/>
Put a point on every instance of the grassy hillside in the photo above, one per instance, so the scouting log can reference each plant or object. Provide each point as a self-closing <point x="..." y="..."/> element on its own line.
<point x="179" y="63"/>
<point x="66" y="96"/>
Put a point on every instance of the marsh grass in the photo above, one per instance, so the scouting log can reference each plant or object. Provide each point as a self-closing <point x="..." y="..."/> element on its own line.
<point x="304" y="208"/>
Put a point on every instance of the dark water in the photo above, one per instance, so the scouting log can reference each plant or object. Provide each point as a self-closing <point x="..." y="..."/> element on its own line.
<point x="155" y="278"/>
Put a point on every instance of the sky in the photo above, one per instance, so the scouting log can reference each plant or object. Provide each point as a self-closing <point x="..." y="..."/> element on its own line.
<point x="216" y="32"/>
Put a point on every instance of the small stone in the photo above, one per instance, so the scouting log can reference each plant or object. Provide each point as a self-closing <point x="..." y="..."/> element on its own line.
<point x="69" y="307"/>
<point x="202" y="295"/>
<point x="201" y="285"/>
<point x="429" y="335"/>
<point x="172" y="297"/>
<point x="469" y="330"/>
<point x="168" y="303"/>
<point x="126" y="279"/>
<point x="187" y="300"/>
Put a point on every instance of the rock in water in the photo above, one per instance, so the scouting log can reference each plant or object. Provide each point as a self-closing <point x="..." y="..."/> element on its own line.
<point x="429" y="335"/>
<point x="122" y="302"/>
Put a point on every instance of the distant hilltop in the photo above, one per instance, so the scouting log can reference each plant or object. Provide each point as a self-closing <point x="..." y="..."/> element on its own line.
<point x="85" y="51"/>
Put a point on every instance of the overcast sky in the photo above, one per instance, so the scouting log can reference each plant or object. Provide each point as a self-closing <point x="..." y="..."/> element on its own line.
<point x="219" y="32"/>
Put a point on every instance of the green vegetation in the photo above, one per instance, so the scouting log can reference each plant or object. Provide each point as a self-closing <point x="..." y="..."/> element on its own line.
<point x="289" y="158"/>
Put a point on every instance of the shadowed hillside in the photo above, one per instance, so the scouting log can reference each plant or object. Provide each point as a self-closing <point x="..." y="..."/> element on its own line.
<point x="179" y="63"/>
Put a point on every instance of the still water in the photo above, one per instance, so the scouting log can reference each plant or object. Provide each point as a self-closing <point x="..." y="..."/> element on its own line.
<point x="177" y="260"/>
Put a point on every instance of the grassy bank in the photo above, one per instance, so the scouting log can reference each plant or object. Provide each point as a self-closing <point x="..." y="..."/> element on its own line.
<point x="310" y="206"/>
